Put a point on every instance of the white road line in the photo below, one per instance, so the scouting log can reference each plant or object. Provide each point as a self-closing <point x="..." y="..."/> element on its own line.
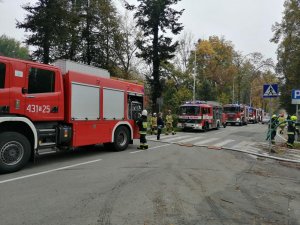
<point x="206" y="141"/>
<point x="220" y="144"/>
<point x="150" y="138"/>
<point x="49" y="171"/>
<point x="150" y="148"/>
<point x="177" y="138"/>
<point x="190" y="139"/>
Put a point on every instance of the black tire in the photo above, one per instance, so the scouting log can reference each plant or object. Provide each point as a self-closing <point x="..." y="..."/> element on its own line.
<point x="121" y="139"/>
<point x="15" y="151"/>
<point x="224" y="125"/>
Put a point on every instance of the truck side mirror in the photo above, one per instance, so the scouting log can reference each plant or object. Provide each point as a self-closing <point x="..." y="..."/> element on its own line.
<point x="24" y="90"/>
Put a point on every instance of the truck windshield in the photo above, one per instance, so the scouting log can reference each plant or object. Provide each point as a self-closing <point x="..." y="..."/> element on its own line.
<point x="231" y="109"/>
<point x="189" y="110"/>
<point x="2" y="75"/>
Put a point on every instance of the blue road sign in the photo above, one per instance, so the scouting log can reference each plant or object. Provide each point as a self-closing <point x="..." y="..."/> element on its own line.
<point x="295" y="96"/>
<point x="270" y="91"/>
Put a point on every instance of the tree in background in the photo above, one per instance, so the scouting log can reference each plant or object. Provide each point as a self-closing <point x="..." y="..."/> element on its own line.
<point x="287" y="34"/>
<point x="214" y="68"/>
<point x="86" y="31"/>
<point x="155" y="17"/>
<point x="10" y="47"/>
<point x="45" y="22"/>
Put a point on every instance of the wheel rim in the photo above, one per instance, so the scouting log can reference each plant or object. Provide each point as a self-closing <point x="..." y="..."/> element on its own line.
<point x="122" y="139"/>
<point x="12" y="153"/>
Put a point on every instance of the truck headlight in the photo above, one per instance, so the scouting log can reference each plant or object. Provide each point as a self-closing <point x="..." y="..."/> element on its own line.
<point x="238" y="119"/>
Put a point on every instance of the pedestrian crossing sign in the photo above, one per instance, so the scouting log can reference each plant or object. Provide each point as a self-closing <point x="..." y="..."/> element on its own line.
<point x="270" y="90"/>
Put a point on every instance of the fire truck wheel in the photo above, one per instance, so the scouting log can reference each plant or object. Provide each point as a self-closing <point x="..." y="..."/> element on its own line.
<point x="15" y="151"/>
<point x="121" y="140"/>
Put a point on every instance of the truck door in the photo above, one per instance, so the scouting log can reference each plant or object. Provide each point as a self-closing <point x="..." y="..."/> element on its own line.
<point x="43" y="94"/>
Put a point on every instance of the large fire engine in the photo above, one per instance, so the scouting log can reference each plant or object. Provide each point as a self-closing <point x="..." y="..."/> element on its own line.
<point x="62" y="107"/>
<point x="237" y="114"/>
<point x="200" y="115"/>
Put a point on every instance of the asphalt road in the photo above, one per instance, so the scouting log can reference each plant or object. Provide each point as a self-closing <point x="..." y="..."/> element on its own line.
<point x="168" y="184"/>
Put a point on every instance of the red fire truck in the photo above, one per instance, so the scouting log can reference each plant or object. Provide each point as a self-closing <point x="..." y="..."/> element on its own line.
<point x="200" y="115"/>
<point x="253" y="115"/>
<point x="236" y="114"/>
<point x="62" y="107"/>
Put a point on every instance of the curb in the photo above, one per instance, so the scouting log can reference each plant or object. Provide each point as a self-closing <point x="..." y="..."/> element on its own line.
<point x="265" y="155"/>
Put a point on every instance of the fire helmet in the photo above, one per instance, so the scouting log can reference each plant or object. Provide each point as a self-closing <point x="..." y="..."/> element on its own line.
<point x="144" y="112"/>
<point x="294" y="118"/>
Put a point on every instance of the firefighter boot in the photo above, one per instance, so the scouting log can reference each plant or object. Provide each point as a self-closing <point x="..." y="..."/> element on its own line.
<point x="145" y="146"/>
<point x="141" y="147"/>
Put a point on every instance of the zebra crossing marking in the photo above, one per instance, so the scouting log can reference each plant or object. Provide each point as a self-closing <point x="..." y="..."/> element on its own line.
<point x="206" y="141"/>
<point x="190" y="139"/>
<point x="242" y="144"/>
<point x="176" y="138"/>
<point x="227" y="141"/>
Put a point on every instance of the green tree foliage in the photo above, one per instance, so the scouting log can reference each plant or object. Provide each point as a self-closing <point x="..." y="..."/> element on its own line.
<point x="222" y="74"/>
<point x="287" y="34"/>
<point x="12" y="48"/>
<point x="87" y="31"/>
<point x="45" y="22"/>
<point x="214" y="68"/>
<point x="155" y="17"/>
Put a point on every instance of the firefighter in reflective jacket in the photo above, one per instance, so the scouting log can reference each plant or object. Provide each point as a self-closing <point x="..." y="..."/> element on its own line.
<point x="274" y="124"/>
<point x="291" y="131"/>
<point x="169" y="123"/>
<point x="143" y="124"/>
<point x="153" y="124"/>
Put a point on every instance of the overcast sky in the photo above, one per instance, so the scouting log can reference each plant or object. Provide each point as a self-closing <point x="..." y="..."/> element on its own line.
<point x="247" y="23"/>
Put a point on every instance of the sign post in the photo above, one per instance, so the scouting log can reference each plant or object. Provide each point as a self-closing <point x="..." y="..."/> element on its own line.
<point x="296" y="101"/>
<point x="270" y="91"/>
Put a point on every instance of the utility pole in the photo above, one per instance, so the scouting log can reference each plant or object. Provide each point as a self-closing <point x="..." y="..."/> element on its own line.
<point x="195" y="69"/>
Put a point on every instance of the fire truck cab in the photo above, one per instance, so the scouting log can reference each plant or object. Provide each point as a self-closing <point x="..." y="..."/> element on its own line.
<point x="253" y="115"/>
<point x="200" y="115"/>
<point x="44" y="107"/>
<point x="237" y="114"/>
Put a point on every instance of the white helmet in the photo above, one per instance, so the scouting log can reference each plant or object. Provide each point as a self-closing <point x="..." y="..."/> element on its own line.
<point x="144" y="112"/>
<point x="154" y="114"/>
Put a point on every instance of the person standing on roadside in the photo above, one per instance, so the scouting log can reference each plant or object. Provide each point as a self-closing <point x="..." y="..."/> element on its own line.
<point x="274" y="124"/>
<point x="169" y="123"/>
<point x="291" y="131"/>
<point x="153" y="122"/>
<point x="282" y="124"/>
<point x="143" y="124"/>
<point x="160" y="125"/>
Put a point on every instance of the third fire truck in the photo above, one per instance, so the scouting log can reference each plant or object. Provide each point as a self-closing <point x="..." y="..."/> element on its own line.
<point x="200" y="115"/>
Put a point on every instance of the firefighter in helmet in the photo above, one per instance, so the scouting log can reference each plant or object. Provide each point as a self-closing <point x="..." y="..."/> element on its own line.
<point x="169" y="123"/>
<point x="153" y="123"/>
<point x="274" y="124"/>
<point x="291" y="131"/>
<point x="282" y="124"/>
<point x="143" y="124"/>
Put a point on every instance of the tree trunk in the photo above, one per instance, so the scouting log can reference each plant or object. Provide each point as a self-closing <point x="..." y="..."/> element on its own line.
<point x="155" y="85"/>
